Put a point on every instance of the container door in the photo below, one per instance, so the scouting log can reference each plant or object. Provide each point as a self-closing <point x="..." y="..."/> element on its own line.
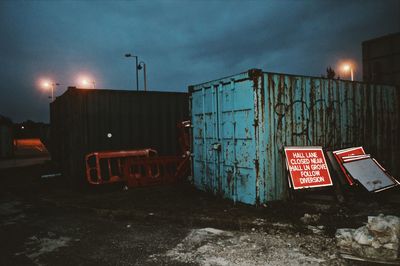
<point x="224" y="142"/>
<point x="237" y="138"/>
<point x="206" y="146"/>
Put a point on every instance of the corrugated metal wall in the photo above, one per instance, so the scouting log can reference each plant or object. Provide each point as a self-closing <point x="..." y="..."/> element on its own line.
<point x="330" y="113"/>
<point x="252" y="116"/>
<point x="81" y="119"/>
<point x="6" y="141"/>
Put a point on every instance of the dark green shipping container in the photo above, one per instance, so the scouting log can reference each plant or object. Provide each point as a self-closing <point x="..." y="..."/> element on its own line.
<point x="82" y="121"/>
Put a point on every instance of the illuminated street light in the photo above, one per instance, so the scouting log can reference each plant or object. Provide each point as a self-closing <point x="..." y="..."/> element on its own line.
<point x="140" y="66"/>
<point x="136" y="67"/>
<point x="50" y="85"/>
<point x="86" y="82"/>
<point x="348" y="68"/>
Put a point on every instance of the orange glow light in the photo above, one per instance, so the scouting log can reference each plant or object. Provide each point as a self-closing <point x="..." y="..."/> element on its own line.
<point x="86" y="82"/>
<point x="46" y="84"/>
<point x="346" y="67"/>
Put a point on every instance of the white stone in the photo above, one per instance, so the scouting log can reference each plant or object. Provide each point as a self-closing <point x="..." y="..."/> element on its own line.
<point x="362" y="236"/>
<point x="393" y="246"/>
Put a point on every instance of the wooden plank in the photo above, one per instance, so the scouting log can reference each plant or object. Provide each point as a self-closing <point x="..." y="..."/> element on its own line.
<point x="386" y="262"/>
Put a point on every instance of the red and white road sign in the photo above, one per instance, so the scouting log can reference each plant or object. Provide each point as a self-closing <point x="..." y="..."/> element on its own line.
<point x="307" y="167"/>
<point x="340" y="156"/>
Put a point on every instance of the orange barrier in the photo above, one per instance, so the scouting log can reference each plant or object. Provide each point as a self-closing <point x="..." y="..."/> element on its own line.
<point x="155" y="170"/>
<point x="107" y="166"/>
<point x="140" y="167"/>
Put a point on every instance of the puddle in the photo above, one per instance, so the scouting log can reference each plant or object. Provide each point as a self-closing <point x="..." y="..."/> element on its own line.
<point x="11" y="212"/>
<point x="38" y="246"/>
<point x="10" y="207"/>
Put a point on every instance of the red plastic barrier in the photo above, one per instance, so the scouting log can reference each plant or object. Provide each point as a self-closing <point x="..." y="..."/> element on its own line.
<point x="155" y="170"/>
<point x="107" y="167"/>
<point x="140" y="167"/>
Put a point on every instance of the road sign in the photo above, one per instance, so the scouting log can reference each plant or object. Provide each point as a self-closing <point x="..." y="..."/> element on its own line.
<point x="307" y="167"/>
<point x="340" y="155"/>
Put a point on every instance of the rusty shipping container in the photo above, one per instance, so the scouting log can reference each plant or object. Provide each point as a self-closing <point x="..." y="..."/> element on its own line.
<point x="86" y="120"/>
<point x="6" y="137"/>
<point x="242" y="123"/>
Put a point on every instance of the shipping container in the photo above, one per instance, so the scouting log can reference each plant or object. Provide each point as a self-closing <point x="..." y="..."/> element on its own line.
<point x="6" y="138"/>
<point x="87" y="120"/>
<point x="242" y="123"/>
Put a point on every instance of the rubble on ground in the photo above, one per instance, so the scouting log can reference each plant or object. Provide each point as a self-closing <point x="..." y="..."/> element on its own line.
<point x="378" y="239"/>
<point x="210" y="246"/>
<point x="310" y="218"/>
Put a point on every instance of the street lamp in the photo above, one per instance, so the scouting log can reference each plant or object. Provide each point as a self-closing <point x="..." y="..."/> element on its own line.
<point x="50" y="85"/>
<point x="140" y="66"/>
<point x="136" y="67"/>
<point x="349" y="68"/>
<point x="85" y="82"/>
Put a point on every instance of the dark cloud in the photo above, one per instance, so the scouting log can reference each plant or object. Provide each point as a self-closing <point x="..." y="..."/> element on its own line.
<point x="182" y="42"/>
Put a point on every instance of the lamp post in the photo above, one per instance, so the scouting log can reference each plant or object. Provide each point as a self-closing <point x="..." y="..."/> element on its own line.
<point x="85" y="83"/>
<point x="349" y="68"/>
<point x="136" y="67"/>
<point x="140" y="66"/>
<point x="50" y="85"/>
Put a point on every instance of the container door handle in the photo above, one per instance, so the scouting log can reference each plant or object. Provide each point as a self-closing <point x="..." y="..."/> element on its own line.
<point x="216" y="146"/>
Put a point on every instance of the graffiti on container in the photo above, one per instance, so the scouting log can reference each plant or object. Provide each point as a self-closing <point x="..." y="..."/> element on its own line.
<point x="300" y="116"/>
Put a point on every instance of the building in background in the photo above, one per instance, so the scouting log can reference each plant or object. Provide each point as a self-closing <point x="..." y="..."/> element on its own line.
<point x="6" y="137"/>
<point x="381" y="60"/>
<point x="32" y="130"/>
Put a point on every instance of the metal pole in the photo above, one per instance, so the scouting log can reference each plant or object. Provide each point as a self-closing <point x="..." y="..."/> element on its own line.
<point x="351" y="73"/>
<point x="52" y="91"/>
<point x="137" y="74"/>
<point x="145" y="77"/>
<point x="137" y="70"/>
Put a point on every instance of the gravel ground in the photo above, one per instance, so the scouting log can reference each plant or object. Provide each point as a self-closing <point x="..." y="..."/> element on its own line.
<point x="209" y="246"/>
<point x="44" y="235"/>
<point x="47" y="222"/>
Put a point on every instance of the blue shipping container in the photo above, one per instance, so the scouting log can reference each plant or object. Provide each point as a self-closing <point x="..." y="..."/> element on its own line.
<point x="242" y="123"/>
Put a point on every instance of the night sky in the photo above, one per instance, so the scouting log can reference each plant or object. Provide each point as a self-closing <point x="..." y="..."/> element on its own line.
<point x="182" y="42"/>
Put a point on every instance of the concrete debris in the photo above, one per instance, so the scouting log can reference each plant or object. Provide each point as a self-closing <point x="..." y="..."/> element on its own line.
<point x="310" y="218"/>
<point x="210" y="246"/>
<point x="378" y="239"/>
<point x="283" y="226"/>
<point x="212" y="231"/>
<point x="259" y="222"/>
<point x="316" y="229"/>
